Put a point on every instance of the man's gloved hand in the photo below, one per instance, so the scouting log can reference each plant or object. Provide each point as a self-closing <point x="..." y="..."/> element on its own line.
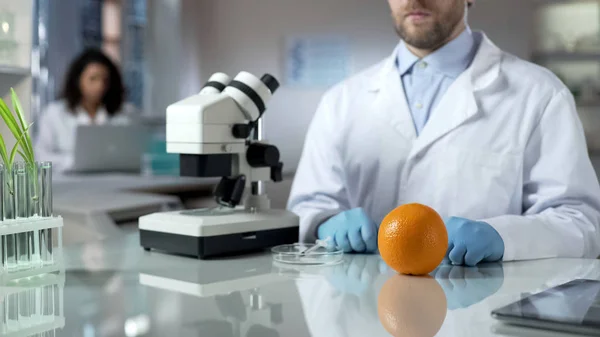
<point x="471" y="242"/>
<point x="351" y="231"/>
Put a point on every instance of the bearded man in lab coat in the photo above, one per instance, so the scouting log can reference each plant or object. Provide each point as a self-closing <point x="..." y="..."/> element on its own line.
<point x="490" y="141"/>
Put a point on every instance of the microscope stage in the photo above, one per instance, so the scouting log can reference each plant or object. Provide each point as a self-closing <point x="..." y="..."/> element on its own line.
<point x="219" y="231"/>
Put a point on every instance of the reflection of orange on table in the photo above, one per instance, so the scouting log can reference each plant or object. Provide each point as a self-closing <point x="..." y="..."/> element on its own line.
<point x="412" y="306"/>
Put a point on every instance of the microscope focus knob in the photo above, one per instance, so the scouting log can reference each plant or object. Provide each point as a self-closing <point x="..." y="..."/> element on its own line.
<point x="241" y="131"/>
<point x="277" y="173"/>
<point x="262" y="155"/>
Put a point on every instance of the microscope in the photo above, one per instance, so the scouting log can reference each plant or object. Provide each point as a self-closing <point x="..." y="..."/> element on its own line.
<point x="218" y="133"/>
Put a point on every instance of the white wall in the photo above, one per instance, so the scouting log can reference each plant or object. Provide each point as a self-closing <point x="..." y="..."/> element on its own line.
<point x="190" y="39"/>
<point x="23" y="13"/>
<point x="509" y="23"/>
<point x="249" y="35"/>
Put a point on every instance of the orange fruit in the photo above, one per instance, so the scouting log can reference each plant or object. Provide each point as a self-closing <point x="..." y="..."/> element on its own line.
<point x="413" y="239"/>
<point x="412" y="306"/>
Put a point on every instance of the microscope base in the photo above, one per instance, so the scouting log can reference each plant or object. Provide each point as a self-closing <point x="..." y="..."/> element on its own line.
<point x="214" y="232"/>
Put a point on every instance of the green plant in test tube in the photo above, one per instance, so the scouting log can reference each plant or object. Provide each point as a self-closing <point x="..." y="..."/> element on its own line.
<point x="24" y="146"/>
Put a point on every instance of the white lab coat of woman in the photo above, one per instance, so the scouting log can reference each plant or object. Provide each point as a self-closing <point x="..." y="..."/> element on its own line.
<point x="57" y="129"/>
<point x="504" y="146"/>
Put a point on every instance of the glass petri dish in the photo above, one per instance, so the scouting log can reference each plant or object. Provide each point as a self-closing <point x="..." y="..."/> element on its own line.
<point x="295" y="254"/>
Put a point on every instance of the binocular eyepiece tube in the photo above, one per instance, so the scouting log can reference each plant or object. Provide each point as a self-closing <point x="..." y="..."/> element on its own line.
<point x="250" y="93"/>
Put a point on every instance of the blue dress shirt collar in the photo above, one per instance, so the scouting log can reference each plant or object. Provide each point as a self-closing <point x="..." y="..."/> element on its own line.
<point x="451" y="60"/>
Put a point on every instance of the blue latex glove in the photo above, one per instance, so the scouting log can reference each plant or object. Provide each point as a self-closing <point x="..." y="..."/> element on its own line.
<point x="351" y="231"/>
<point x="471" y="242"/>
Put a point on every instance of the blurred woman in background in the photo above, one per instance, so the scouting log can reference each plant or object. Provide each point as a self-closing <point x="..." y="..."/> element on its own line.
<point x="93" y="94"/>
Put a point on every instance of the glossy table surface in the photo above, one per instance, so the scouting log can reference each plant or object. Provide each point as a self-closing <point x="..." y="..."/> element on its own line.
<point x="114" y="288"/>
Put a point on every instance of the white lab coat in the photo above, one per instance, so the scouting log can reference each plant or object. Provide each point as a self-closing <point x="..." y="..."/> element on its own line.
<point x="505" y="146"/>
<point x="55" y="140"/>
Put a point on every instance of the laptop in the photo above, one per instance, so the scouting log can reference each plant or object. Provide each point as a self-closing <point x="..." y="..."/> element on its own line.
<point x="109" y="148"/>
<point x="573" y="307"/>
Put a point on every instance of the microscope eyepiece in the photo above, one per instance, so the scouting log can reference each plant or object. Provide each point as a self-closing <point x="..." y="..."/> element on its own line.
<point x="216" y="84"/>
<point x="271" y="82"/>
<point x="251" y="93"/>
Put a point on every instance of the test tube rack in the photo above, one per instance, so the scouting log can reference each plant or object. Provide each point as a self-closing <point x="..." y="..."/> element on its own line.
<point x="29" y="247"/>
<point x="30" y="235"/>
<point x="33" y="306"/>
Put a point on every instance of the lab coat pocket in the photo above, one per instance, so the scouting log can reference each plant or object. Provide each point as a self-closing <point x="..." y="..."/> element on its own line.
<point x="483" y="184"/>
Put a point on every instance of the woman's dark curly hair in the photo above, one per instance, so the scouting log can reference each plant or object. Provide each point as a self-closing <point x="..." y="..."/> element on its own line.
<point x="115" y="92"/>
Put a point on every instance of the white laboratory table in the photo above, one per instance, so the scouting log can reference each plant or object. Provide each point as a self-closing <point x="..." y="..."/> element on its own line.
<point x="93" y="205"/>
<point x="114" y="288"/>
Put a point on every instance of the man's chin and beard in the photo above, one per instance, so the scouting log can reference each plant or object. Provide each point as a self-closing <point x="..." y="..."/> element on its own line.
<point x="429" y="35"/>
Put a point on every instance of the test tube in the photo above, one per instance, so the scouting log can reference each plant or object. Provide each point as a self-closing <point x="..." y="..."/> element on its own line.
<point x="46" y="188"/>
<point x="33" y="185"/>
<point x="9" y="252"/>
<point x="1" y="193"/>
<point x="2" y="259"/>
<point x="8" y="197"/>
<point x="9" y="242"/>
<point x="45" y="235"/>
<point x="21" y="196"/>
<point x="34" y="191"/>
<point x="21" y="191"/>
